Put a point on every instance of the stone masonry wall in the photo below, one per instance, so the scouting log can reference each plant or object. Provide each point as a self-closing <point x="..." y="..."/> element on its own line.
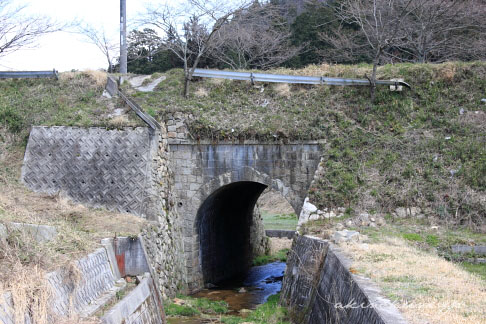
<point x="162" y="238"/>
<point x="259" y="242"/>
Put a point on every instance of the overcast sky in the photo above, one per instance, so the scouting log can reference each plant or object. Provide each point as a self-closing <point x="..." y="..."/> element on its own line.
<point x="64" y="51"/>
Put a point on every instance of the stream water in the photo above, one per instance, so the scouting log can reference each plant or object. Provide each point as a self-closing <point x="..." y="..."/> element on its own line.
<point x="260" y="283"/>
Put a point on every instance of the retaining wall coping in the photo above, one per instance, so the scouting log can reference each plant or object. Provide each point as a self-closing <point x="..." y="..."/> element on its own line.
<point x="246" y="142"/>
<point x="383" y="306"/>
<point x="462" y="249"/>
<point x="41" y="233"/>
<point x="280" y="233"/>
<point x="94" y="127"/>
<point x="130" y="303"/>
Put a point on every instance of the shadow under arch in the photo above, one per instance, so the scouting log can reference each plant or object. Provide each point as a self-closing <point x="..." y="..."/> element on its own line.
<point x="221" y="249"/>
<point x="223" y="224"/>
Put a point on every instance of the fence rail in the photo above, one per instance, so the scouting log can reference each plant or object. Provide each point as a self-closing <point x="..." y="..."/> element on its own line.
<point x="113" y="89"/>
<point x="28" y="74"/>
<point x="264" y="77"/>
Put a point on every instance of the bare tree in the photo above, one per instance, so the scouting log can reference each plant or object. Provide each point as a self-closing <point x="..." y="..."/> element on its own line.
<point x="381" y="22"/>
<point x="438" y="30"/>
<point x="190" y="29"/>
<point x="18" y="31"/>
<point x="257" y="38"/>
<point x="97" y="36"/>
<point x="345" y="45"/>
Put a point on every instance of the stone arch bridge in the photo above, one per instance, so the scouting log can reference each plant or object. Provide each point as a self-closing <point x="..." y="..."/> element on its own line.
<point x="214" y="186"/>
<point x="217" y="186"/>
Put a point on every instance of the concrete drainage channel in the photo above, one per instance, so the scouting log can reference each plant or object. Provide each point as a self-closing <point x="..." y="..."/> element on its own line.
<point x="317" y="287"/>
<point x="97" y="285"/>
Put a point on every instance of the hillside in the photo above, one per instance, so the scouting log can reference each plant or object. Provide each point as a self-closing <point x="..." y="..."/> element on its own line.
<point x="423" y="148"/>
<point x="420" y="148"/>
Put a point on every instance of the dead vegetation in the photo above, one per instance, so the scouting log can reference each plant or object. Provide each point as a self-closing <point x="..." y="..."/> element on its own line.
<point x="425" y="287"/>
<point x="97" y="78"/>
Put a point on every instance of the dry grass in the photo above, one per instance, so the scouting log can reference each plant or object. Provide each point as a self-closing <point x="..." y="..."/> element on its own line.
<point x="282" y="89"/>
<point x="425" y="287"/>
<point x="30" y="294"/>
<point x="98" y="77"/>
<point x="201" y="92"/>
<point x="277" y="244"/>
<point x="119" y="121"/>
<point x="446" y="71"/>
<point x="272" y="202"/>
<point x="21" y="205"/>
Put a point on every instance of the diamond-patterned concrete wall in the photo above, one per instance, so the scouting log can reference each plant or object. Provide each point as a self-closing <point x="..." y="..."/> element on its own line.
<point x="94" y="166"/>
<point x="95" y="278"/>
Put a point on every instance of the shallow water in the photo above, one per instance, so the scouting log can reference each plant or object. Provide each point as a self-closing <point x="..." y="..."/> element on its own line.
<point x="260" y="283"/>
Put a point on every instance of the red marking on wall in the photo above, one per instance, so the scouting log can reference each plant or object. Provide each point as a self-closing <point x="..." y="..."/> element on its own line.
<point x="120" y="259"/>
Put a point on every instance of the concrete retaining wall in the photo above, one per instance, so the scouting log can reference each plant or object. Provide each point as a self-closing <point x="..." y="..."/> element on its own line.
<point x="318" y="288"/>
<point x="130" y="256"/>
<point x="85" y="288"/>
<point x="280" y="233"/>
<point x="464" y="249"/>
<point x="126" y="170"/>
<point x="140" y="306"/>
<point x="95" y="166"/>
<point x="41" y="233"/>
<point x="92" y="282"/>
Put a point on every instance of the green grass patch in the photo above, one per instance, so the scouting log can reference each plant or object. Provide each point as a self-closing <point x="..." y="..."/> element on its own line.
<point x="279" y="221"/>
<point x="180" y="310"/>
<point x="413" y="237"/>
<point x="208" y="306"/>
<point x="264" y="259"/>
<point x="268" y="313"/>
<point x="195" y="306"/>
<point x="477" y="269"/>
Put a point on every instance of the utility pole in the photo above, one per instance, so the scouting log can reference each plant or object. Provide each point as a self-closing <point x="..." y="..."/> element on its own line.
<point x="123" y="36"/>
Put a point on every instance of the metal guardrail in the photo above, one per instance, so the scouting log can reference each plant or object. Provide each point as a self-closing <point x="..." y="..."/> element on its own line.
<point x="28" y="74"/>
<point x="264" y="77"/>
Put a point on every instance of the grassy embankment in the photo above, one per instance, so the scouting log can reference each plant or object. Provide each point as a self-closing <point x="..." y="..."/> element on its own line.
<point x="279" y="221"/>
<point x="423" y="148"/>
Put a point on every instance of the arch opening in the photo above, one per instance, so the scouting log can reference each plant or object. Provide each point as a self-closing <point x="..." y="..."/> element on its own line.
<point x="224" y="223"/>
